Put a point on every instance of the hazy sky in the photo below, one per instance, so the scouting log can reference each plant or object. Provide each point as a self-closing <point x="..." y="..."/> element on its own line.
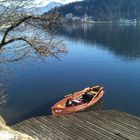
<point x="45" y="2"/>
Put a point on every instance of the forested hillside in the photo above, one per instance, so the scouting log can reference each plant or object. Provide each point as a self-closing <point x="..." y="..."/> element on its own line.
<point x="102" y="9"/>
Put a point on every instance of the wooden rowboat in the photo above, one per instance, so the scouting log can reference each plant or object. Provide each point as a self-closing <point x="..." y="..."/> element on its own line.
<point x="81" y="100"/>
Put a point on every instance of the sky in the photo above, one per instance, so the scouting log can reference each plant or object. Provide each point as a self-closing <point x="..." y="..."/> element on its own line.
<point x="45" y="2"/>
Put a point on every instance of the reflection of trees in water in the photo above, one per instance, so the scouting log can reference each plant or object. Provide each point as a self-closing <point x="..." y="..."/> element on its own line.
<point x="6" y="73"/>
<point x="2" y="96"/>
<point x="122" y="40"/>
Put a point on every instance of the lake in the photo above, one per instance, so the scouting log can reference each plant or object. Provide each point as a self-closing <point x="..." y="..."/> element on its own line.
<point x="106" y="54"/>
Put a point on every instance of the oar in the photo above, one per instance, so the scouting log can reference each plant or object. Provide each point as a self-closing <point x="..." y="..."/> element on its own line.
<point x="72" y="94"/>
<point x="84" y="90"/>
<point x="68" y="95"/>
<point x="93" y="92"/>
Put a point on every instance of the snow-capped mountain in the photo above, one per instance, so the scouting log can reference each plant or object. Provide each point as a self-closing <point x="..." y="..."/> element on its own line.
<point x="41" y="3"/>
<point x="48" y="7"/>
<point x="43" y="6"/>
<point x="44" y="9"/>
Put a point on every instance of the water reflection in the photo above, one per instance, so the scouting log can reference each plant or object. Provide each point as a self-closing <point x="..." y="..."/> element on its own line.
<point x="6" y="73"/>
<point x="3" y="97"/>
<point x="90" y="61"/>
<point x="121" y="40"/>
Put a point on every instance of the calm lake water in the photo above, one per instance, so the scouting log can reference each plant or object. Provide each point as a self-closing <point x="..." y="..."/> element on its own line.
<point x="97" y="54"/>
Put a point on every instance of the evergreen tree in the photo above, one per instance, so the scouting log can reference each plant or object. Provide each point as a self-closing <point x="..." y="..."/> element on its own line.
<point x="103" y="9"/>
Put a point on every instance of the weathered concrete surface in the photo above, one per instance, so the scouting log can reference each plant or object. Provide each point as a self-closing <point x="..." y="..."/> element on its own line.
<point x="7" y="133"/>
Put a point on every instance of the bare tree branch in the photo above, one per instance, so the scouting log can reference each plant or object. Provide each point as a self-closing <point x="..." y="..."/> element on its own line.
<point x="14" y="25"/>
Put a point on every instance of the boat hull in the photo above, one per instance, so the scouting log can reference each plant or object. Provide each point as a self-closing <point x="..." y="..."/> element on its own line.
<point x="59" y="108"/>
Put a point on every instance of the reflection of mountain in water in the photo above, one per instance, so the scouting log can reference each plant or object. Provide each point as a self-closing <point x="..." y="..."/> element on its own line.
<point x="122" y="40"/>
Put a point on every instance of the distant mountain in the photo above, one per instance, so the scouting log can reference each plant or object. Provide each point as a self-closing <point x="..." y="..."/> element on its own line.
<point x="102" y="10"/>
<point x="49" y="7"/>
<point x="36" y="10"/>
<point x="44" y="9"/>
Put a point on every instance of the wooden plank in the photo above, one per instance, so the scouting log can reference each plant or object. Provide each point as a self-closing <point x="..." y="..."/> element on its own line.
<point x="42" y="133"/>
<point x="124" y="114"/>
<point x="124" y="118"/>
<point x="103" y="125"/>
<point x="57" y="128"/>
<point x="99" y="129"/>
<point x="81" y="132"/>
<point x="24" y="128"/>
<point x="120" y="120"/>
<point x="93" y="131"/>
<point x="64" y="127"/>
<point x="123" y="121"/>
<point x="119" y="129"/>
<point x="50" y="128"/>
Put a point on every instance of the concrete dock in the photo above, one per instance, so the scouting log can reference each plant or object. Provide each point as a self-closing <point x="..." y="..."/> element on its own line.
<point x="102" y="125"/>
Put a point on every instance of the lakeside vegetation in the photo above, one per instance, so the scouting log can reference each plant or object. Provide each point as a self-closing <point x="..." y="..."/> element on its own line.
<point x="101" y="10"/>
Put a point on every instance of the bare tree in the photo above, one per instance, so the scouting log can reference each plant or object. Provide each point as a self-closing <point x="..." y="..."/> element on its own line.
<point x="23" y="33"/>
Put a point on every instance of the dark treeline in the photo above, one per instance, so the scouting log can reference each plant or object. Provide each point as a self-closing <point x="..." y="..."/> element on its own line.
<point x="103" y="9"/>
